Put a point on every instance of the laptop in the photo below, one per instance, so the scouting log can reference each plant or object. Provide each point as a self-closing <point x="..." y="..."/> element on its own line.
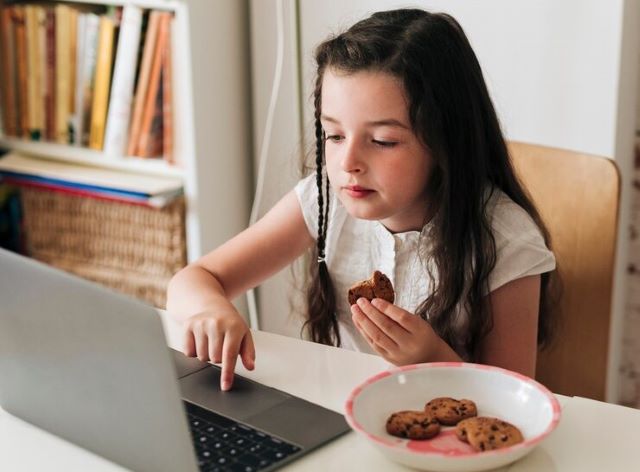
<point x="93" y="367"/>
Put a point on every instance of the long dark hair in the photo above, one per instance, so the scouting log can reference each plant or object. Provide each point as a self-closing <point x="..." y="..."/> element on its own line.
<point x="451" y="111"/>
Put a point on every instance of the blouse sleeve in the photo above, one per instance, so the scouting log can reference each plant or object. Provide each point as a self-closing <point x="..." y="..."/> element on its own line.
<point x="307" y="194"/>
<point x="520" y="247"/>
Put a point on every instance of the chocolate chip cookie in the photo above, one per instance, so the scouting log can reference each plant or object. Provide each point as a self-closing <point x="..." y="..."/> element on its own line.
<point x="484" y="433"/>
<point x="378" y="286"/>
<point x="413" y="425"/>
<point x="450" y="411"/>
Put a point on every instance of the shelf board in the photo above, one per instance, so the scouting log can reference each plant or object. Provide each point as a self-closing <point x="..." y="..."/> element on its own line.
<point x="90" y="157"/>
<point x="153" y="4"/>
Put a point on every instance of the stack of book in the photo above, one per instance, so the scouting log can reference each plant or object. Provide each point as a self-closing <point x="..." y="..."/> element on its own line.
<point x="92" y="76"/>
<point x="87" y="181"/>
<point x="10" y="220"/>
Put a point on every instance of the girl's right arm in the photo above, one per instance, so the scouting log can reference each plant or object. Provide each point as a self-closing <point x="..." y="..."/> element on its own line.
<point x="200" y="294"/>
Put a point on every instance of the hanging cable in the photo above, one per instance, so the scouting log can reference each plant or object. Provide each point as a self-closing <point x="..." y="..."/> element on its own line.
<point x="254" y="319"/>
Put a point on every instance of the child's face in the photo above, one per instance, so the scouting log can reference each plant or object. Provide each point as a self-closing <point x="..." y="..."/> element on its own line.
<point x="376" y="164"/>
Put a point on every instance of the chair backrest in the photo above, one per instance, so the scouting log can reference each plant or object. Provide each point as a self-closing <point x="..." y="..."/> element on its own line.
<point x="577" y="196"/>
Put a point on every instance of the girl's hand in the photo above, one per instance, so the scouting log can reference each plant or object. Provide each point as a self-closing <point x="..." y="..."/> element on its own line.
<point x="220" y="337"/>
<point x="399" y="336"/>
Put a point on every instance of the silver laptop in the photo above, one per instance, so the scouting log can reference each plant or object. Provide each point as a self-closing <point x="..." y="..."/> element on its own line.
<point x="93" y="367"/>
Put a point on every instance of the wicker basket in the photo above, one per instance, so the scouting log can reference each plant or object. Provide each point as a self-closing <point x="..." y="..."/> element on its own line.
<point x="133" y="249"/>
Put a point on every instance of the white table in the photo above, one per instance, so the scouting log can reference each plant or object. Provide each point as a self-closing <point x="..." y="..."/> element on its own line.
<point x="592" y="436"/>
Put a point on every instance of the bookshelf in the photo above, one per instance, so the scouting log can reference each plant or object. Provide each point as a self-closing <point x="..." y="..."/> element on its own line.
<point x="212" y="136"/>
<point x="90" y="157"/>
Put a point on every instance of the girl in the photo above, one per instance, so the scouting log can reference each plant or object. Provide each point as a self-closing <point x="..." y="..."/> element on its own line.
<point x="412" y="178"/>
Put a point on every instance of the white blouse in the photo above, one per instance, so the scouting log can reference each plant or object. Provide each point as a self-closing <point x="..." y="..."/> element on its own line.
<point x="355" y="248"/>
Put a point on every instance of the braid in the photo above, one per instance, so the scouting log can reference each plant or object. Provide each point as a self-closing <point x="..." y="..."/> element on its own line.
<point x="323" y="217"/>
<point x="322" y="322"/>
<point x="326" y="210"/>
<point x="319" y="157"/>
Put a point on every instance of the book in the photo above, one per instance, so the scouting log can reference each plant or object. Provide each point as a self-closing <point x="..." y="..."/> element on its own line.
<point x="102" y="82"/>
<point x="8" y="71"/>
<point x="63" y="72"/>
<point x="75" y="124"/>
<point x="33" y="72"/>
<point x="143" y="187"/>
<point x="143" y="82"/>
<point x="86" y="80"/>
<point x="118" y="117"/>
<point x="20" y="42"/>
<point x="85" y="190"/>
<point x="73" y="49"/>
<point x="167" y="98"/>
<point x="50" y="74"/>
<point x="150" y="102"/>
<point x="154" y="145"/>
<point x="41" y="65"/>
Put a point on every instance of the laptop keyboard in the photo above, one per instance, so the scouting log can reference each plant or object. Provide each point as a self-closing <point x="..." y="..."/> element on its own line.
<point x="225" y="445"/>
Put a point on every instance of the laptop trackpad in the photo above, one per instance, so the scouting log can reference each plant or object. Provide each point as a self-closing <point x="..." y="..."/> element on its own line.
<point x="246" y="398"/>
<point x="301" y="422"/>
<point x="186" y="365"/>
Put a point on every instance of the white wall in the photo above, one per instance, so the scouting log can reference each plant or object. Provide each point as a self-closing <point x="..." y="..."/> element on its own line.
<point x="217" y="152"/>
<point x="284" y="148"/>
<point x="551" y="66"/>
<point x="561" y="73"/>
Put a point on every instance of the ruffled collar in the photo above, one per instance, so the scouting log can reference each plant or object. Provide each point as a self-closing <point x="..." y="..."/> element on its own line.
<point x="404" y="237"/>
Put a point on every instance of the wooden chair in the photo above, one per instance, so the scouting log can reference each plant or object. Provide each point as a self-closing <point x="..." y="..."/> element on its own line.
<point x="577" y="196"/>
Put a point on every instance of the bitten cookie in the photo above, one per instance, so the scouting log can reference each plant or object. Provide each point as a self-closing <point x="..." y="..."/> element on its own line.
<point x="484" y="433"/>
<point x="450" y="411"/>
<point x="413" y="425"/>
<point x="378" y="286"/>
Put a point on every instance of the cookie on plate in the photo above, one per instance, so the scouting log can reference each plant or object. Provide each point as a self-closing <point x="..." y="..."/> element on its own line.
<point x="378" y="286"/>
<point x="484" y="433"/>
<point x="413" y="425"/>
<point x="450" y="411"/>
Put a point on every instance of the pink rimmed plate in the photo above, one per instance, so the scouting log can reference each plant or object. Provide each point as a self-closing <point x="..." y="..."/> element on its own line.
<point x="497" y="392"/>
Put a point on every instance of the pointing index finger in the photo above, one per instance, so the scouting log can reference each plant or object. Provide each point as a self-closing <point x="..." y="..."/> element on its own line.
<point x="230" y="350"/>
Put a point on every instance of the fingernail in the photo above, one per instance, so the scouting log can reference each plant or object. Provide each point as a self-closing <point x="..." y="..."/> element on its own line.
<point x="226" y="384"/>
<point x="362" y="301"/>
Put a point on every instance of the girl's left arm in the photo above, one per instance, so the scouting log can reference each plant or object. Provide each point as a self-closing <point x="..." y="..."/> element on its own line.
<point x="512" y="341"/>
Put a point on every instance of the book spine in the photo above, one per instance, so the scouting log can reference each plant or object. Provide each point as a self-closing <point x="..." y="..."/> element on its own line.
<point x="84" y="176"/>
<point x="143" y="81"/>
<point x="155" y="143"/>
<point x="167" y="99"/>
<point x="152" y="92"/>
<point x="33" y="71"/>
<point x="4" y="81"/>
<point x="50" y="97"/>
<point x="21" y="62"/>
<point x="119" y="114"/>
<point x="90" y="50"/>
<point x="41" y="64"/>
<point x="102" y="82"/>
<point x="19" y="182"/>
<point x="8" y="84"/>
<point x="73" y="49"/>
<point x="63" y="72"/>
<point x="76" y="117"/>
